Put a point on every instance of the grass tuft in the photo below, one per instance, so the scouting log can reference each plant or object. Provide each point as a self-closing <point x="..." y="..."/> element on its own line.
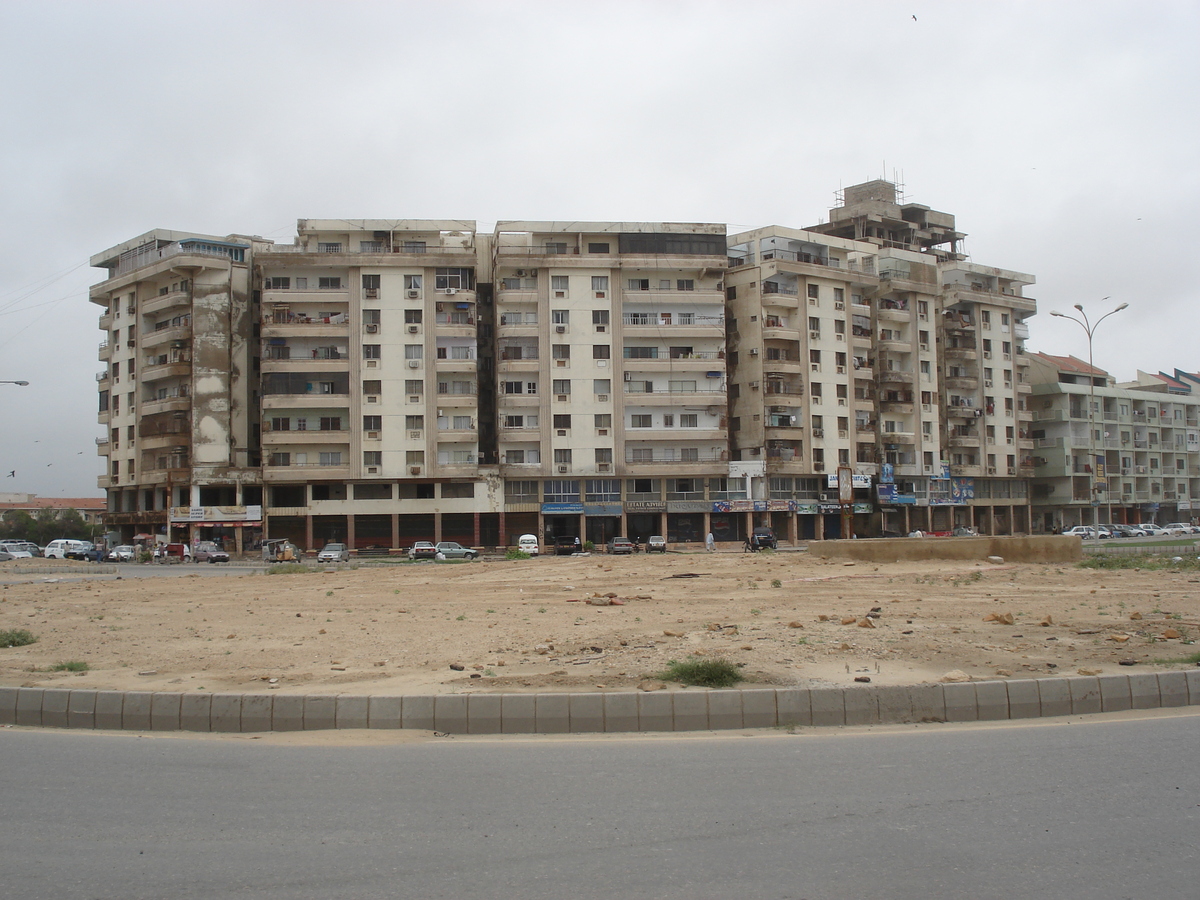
<point x="17" y="637"/>
<point x="517" y="554"/>
<point x="290" y="568"/>
<point x="702" y="672"/>
<point x="1106" y="561"/>
<point x="1192" y="660"/>
<point x="73" y="665"/>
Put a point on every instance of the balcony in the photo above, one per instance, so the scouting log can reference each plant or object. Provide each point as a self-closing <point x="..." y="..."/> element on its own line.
<point x="106" y="322"/>
<point x="105" y="351"/>
<point x="676" y="325"/>
<point x="664" y="456"/>
<point x="159" y="371"/>
<point x="899" y="437"/>
<point x="962" y="382"/>
<point x="169" y="300"/>
<point x="306" y="472"/>
<point x="889" y="311"/>
<point x="289" y="324"/>
<point x="965" y="440"/>
<point x="657" y="296"/>
<point x="891" y="376"/>
<point x="969" y="353"/>
<point x="179" y="402"/>
<point x="271" y="438"/>
<point x="160" y="336"/>
<point x="635" y="392"/>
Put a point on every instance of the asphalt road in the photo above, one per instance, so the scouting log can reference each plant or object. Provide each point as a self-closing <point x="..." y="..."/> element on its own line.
<point x="1096" y="809"/>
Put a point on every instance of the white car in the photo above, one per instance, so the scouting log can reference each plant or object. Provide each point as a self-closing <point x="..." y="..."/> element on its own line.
<point x="65" y="548"/>
<point x="528" y="543"/>
<point x="334" y="553"/>
<point x="1089" y="532"/>
<point x="123" y="553"/>
<point x="20" y="549"/>
<point x="1152" y="530"/>
<point x="1178" y="528"/>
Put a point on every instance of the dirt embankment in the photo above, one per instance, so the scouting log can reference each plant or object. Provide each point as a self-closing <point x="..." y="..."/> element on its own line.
<point x="786" y="618"/>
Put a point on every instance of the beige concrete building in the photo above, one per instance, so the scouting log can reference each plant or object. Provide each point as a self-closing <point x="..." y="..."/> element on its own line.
<point x="1133" y="457"/>
<point x="178" y="391"/>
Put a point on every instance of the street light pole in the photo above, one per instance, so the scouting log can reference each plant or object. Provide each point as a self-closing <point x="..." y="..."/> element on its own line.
<point x="1089" y="329"/>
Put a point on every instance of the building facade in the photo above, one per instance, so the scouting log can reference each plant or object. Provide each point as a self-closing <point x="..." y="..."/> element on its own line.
<point x="386" y="381"/>
<point x="1113" y="453"/>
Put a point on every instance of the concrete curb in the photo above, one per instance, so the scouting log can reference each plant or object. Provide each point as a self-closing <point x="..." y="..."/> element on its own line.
<point x="975" y="701"/>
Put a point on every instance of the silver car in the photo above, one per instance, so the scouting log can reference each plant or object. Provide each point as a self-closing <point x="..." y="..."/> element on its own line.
<point x="334" y="553"/>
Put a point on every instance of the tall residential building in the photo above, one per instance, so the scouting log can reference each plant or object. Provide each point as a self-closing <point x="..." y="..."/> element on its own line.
<point x="178" y="393"/>
<point x="1105" y="452"/>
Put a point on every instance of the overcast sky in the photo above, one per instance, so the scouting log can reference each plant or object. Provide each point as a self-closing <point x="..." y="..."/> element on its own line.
<point x="1063" y="136"/>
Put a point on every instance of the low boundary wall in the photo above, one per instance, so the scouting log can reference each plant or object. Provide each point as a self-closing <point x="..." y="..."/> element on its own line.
<point x="1037" y="548"/>
<point x="690" y="710"/>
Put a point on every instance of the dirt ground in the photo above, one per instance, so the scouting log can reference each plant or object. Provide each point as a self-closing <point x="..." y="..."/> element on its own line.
<point x="786" y="618"/>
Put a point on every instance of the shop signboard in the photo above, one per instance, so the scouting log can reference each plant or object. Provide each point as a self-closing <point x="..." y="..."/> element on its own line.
<point x="645" y="506"/>
<point x="602" y="509"/>
<point x="562" y="509"/>
<point x="216" y="515"/>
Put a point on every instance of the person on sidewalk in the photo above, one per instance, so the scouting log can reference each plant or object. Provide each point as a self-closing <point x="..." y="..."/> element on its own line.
<point x="710" y="543"/>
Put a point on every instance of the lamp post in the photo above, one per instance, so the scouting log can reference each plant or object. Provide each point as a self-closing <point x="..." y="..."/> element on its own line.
<point x="1089" y="328"/>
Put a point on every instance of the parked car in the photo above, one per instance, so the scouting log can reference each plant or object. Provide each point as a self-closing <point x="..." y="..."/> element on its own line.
<point x="455" y="550"/>
<point x="764" y="538"/>
<point x="65" y="548"/>
<point x="1152" y="530"/>
<point x="14" y="553"/>
<point x="566" y="545"/>
<point x="423" y="550"/>
<point x="1179" y="528"/>
<point x="620" y="545"/>
<point x="1125" y="531"/>
<point x="122" y="553"/>
<point x="656" y="544"/>
<point x="964" y="531"/>
<point x="1089" y="532"/>
<point x="172" y="553"/>
<point x="210" y="551"/>
<point x="528" y="543"/>
<point x="334" y="553"/>
<point x="27" y="546"/>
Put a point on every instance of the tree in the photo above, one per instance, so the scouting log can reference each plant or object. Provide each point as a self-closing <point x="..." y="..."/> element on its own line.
<point x="18" y="525"/>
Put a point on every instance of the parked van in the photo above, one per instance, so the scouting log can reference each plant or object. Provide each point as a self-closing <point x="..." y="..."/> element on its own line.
<point x="528" y="543"/>
<point x="64" y="548"/>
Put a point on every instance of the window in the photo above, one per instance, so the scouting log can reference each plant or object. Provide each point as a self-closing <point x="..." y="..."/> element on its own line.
<point x="329" y="283"/>
<point x="638" y="284"/>
<point x="814" y="324"/>
<point x="689" y="420"/>
<point x="452" y="279"/>
<point x="601" y="386"/>
<point x="603" y="420"/>
<point x="669" y="420"/>
<point x="685" y="284"/>
<point x="814" y="389"/>
<point x="414" y="351"/>
<point x="560" y="351"/>
<point x="371" y="351"/>
<point x="839" y="295"/>
<point x="372" y="457"/>
<point x="412" y="316"/>
<point x="458" y="490"/>
<point x="278" y="424"/>
<point x="514" y="387"/>
<point x="560" y="317"/>
<point x="562" y="457"/>
<point x="814" y="357"/>
<point x="560" y="283"/>
<point x="370" y="423"/>
<point x="460" y="423"/>
<point x="561" y="386"/>
<point x="561" y="492"/>
<point x="641" y="420"/>
<point x="414" y="423"/>
<point x="279" y="283"/>
<point x="278" y="458"/>
<point x="413" y="386"/>
<point x="330" y="457"/>
<point x="598" y="248"/>
<point x="414" y="457"/>
<point x="329" y="247"/>
<point x="562" y="421"/>
<point x="412" y="282"/>
<point x="814" y="291"/>
<point x="372" y="387"/>
<point x="370" y="316"/>
<point x="555" y="247"/>
<point x="370" y="282"/>
<point x="600" y="318"/>
<point x="413" y="246"/>
<point x="331" y="423"/>
<point x="601" y="351"/>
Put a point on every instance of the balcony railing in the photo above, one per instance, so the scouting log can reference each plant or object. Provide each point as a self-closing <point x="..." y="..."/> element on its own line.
<point x="664" y="456"/>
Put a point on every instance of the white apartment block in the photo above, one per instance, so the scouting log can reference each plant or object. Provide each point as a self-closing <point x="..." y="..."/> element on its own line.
<point x="386" y="381"/>
<point x="1113" y="453"/>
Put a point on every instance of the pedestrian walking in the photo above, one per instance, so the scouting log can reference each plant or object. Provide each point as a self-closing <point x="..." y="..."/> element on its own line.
<point x="710" y="543"/>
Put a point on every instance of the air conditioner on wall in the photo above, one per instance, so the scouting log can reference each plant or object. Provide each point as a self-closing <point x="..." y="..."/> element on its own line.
<point x="412" y="329"/>
<point x="754" y="351"/>
<point x="412" y="295"/>
<point x="372" y="328"/>
<point x="603" y="467"/>
<point x="372" y="435"/>
<point x="629" y="376"/>
<point x="414" y="363"/>
<point x="564" y="469"/>
<point x="414" y="470"/>
<point x="560" y="329"/>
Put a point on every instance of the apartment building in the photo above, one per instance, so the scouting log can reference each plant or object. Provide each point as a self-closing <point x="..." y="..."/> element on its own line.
<point x="610" y="379"/>
<point x="385" y="381"/>
<point x="178" y="392"/>
<point x="1107" y="452"/>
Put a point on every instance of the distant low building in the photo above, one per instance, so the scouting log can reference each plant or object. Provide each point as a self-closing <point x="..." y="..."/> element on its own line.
<point x="91" y="508"/>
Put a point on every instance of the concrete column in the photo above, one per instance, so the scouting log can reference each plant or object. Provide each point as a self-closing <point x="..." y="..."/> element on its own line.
<point x="350" y="535"/>
<point x="541" y="527"/>
<point x="662" y="524"/>
<point x="395" y="530"/>
<point x="793" y="534"/>
<point x="476" y="538"/>
<point x="707" y="526"/>
<point x="437" y="527"/>
<point x="194" y="494"/>
<point x="749" y="517"/>
<point x="308" y="532"/>
<point x="503" y="539"/>
<point x="237" y="540"/>
<point x="582" y="529"/>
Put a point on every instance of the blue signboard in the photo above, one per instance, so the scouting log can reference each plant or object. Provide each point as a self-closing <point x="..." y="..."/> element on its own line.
<point x="562" y="508"/>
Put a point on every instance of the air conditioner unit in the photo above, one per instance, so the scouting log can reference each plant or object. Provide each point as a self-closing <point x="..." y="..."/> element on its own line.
<point x="372" y="435"/>
<point x="412" y="295"/>
<point x="924" y="348"/>
<point x="521" y="273"/>
<point x="372" y="470"/>
<point x="560" y="329"/>
<point x="451" y="291"/>
<point x="372" y="328"/>
<point x="841" y="401"/>
<point x="814" y="335"/>
<point x="818" y="432"/>
<point x="629" y="376"/>
<point x="562" y="432"/>
<point x="987" y="354"/>
<point x="414" y="364"/>
<point x="414" y="470"/>
<point x="414" y="435"/>
<point x="827" y="498"/>
<point x="372" y="364"/>
<point x="843" y="434"/>
<point x="560" y="362"/>
<point x="991" y="470"/>
<point x="840" y="336"/>
<point x="561" y="398"/>
<point x="600" y="329"/>
<point x="562" y="469"/>
<point x="602" y="432"/>
<point x="987" y="384"/>
<point x="838" y="304"/>
<point x="559" y="295"/>
<point x="754" y="385"/>
<point x="414" y="398"/>
<point x="371" y="293"/>
<point x="602" y="398"/>
<point x="926" y="407"/>
<point x="413" y="329"/>
<point x="600" y="295"/>
<point x="841" y="370"/>
<point x="373" y="398"/>
<point x="816" y="367"/>
<point x="603" y="467"/>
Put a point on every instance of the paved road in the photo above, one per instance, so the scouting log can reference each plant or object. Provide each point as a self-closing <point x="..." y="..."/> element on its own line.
<point x="1107" y="808"/>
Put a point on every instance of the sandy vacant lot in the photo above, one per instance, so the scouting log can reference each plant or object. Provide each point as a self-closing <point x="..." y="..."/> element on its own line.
<point x="527" y="625"/>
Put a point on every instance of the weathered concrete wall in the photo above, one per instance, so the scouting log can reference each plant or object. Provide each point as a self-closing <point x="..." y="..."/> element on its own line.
<point x="1031" y="548"/>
